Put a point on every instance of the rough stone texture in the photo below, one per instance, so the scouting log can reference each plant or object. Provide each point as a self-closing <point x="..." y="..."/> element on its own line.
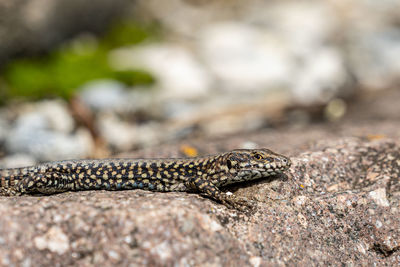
<point x="338" y="204"/>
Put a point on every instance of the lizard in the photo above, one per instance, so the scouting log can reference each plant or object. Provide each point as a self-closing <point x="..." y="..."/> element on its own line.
<point x="204" y="175"/>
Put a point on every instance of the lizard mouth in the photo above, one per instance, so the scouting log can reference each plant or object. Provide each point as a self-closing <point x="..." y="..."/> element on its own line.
<point x="259" y="172"/>
<point x="274" y="167"/>
<point x="266" y="170"/>
<point x="262" y="170"/>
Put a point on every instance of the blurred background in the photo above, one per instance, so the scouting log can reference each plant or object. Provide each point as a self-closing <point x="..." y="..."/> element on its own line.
<point x="94" y="79"/>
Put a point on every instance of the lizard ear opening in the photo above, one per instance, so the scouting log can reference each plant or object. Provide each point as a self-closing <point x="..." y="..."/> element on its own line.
<point x="229" y="163"/>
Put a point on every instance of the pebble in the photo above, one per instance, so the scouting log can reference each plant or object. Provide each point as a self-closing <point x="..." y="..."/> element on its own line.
<point x="54" y="240"/>
<point x="321" y="77"/>
<point x="36" y="140"/>
<point x="255" y="261"/>
<point x="56" y="114"/>
<point x="114" y="255"/>
<point x="244" y="58"/>
<point x="123" y="136"/>
<point x="178" y="73"/>
<point x="103" y="94"/>
<point x="317" y="21"/>
<point x="375" y="56"/>
<point x="42" y="131"/>
<point x="379" y="197"/>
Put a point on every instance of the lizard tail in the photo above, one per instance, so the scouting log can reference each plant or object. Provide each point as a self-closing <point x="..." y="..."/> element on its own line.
<point x="9" y="179"/>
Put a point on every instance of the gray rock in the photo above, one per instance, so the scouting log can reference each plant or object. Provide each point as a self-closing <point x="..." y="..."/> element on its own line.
<point x="375" y="57"/>
<point x="338" y="205"/>
<point x="123" y="136"/>
<point x="104" y="95"/>
<point x="322" y="76"/>
<point x="178" y="73"/>
<point x="245" y="58"/>
<point x="110" y="96"/>
<point x="47" y="145"/>
<point x="46" y="134"/>
<point x="57" y="115"/>
<point x="118" y="134"/>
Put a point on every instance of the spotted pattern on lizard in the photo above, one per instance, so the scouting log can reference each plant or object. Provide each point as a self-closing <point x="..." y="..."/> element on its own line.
<point x="204" y="175"/>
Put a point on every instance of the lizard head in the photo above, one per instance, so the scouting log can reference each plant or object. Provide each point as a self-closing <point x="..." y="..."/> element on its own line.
<point x="249" y="164"/>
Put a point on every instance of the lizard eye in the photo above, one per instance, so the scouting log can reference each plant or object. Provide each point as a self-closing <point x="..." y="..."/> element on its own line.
<point x="258" y="156"/>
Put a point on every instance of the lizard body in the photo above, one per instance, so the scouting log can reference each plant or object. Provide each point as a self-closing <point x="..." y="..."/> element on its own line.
<point x="202" y="174"/>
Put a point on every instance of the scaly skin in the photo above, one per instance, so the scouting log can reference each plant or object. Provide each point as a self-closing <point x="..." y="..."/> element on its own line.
<point x="203" y="174"/>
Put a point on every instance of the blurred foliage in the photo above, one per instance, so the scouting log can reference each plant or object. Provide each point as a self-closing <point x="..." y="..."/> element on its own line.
<point x="61" y="72"/>
<point x="127" y="33"/>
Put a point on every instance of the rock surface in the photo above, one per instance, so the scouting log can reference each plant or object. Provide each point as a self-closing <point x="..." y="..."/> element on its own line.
<point x="338" y="204"/>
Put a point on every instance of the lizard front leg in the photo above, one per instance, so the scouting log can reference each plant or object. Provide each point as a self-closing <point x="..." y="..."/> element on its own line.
<point x="208" y="189"/>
